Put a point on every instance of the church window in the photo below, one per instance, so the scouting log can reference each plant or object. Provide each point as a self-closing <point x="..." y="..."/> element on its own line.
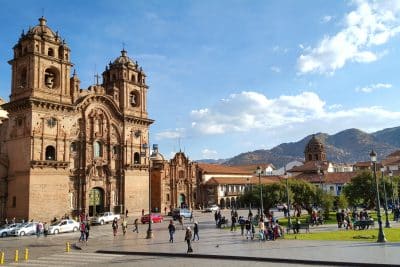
<point x="316" y="157"/>
<point x="37" y="48"/>
<point x="136" y="158"/>
<point x="19" y="122"/>
<point x="181" y="174"/>
<point x="74" y="147"/>
<point x="50" y="52"/>
<point x="14" y="202"/>
<point x="50" y="153"/>
<point x="194" y="196"/>
<point x="51" y="78"/>
<point x="115" y="150"/>
<point x="310" y="157"/>
<point x="66" y="56"/>
<point x="133" y="79"/>
<point x="134" y="99"/>
<point x="167" y="197"/>
<point x="22" y="79"/>
<point x="97" y="149"/>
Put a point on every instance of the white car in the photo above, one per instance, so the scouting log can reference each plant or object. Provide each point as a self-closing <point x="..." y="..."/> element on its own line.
<point x="212" y="208"/>
<point x="105" y="217"/>
<point x="6" y="230"/>
<point x="63" y="226"/>
<point x="25" y="229"/>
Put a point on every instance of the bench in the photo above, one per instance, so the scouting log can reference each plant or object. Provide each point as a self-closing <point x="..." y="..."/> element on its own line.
<point x="361" y="225"/>
<point x="297" y="227"/>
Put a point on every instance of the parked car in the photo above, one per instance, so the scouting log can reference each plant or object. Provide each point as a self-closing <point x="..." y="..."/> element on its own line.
<point x="63" y="226"/>
<point x="154" y="218"/>
<point x="211" y="208"/>
<point x="25" y="229"/>
<point x="185" y="213"/>
<point x="7" y="229"/>
<point x="105" y="217"/>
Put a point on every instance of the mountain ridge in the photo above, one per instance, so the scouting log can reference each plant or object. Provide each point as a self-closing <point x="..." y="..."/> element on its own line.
<point x="347" y="146"/>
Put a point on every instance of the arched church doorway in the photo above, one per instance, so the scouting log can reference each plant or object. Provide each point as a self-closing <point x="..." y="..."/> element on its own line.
<point x="181" y="201"/>
<point x="96" y="201"/>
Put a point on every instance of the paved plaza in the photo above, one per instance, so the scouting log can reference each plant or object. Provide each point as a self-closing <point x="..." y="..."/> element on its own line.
<point x="216" y="246"/>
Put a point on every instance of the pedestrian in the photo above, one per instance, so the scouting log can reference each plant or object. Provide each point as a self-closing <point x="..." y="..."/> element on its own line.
<point x="45" y="229"/>
<point x="126" y="213"/>
<point x="87" y="229"/>
<point x="180" y="219"/>
<point x="165" y="210"/>
<point x="6" y="221"/>
<point x="191" y="216"/>
<point x="136" y="224"/>
<point x="188" y="238"/>
<point x="82" y="228"/>
<point x="216" y="217"/>
<point x="171" y="230"/>
<point x="115" y="226"/>
<point x="142" y="212"/>
<point x="38" y="229"/>
<point x="248" y="228"/>
<point x="233" y="223"/>
<point x="196" y="231"/>
<point x="241" y="223"/>
<point x="124" y="225"/>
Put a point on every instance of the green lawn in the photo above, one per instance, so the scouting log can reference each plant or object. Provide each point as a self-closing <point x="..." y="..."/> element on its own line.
<point x="392" y="235"/>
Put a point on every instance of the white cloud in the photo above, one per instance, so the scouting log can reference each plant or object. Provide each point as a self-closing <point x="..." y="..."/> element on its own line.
<point x="249" y="111"/>
<point x="171" y="134"/>
<point x="371" y="24"/>
<point x="373" y="87"/>
<point x="326" y="19"/>
<point x="275" y="69"/>
<point x="209" y="154"/>
<point x="279" y="49"/>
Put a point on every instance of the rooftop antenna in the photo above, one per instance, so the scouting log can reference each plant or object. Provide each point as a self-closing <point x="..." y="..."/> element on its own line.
<point x="96" y="75"/>
<point x="42" y="12"/>
<point x="123" y="46"/>
<point x="179" y="143"/>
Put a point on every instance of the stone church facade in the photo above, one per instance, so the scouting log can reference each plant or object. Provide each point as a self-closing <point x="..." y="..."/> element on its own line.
<point x="66" y="150"/>
<point x="173" y="182"/>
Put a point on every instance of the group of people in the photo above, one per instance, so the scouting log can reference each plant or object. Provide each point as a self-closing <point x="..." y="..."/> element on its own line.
<point x="189" y="235"/>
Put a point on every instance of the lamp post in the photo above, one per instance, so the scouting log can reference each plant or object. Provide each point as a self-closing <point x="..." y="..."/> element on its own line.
<point x="387" y="224"/>
<point x="381" y="235"/>
<point x="288" y="199"/>
<point x="391" y="185"/>
<point x="149" y="230"/>
<point x="259" y="171"/>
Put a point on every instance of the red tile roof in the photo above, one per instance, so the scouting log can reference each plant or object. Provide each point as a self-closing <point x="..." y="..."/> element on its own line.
<point x="330" y="177"/>
<point x="222" y="169"/>
<point x="311" y="166"/>
<point x="253" y="167"/>
<point x="242" y="181"/>
<point x="394" y="154"/>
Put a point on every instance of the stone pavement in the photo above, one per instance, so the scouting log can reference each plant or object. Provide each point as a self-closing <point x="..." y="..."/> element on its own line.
<point x="216" y="246"/>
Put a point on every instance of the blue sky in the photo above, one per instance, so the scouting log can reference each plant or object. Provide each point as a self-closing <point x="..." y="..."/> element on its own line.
<point x="228" y="77"/>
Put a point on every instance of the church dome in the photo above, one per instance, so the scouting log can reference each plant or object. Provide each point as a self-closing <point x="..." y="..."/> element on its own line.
<point x="124" y="59"/>
<point x="314" y="145"/>
<point x="43" y="30"/>
<point x="156" y="156"/>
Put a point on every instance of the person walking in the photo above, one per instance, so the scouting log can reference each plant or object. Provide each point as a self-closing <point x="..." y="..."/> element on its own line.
<point x="233" y="224"/>
<point x="82" y="228"/>
<point x="115" y="226"/>
<point x="45" y="229"/>
<point x="124" y="225"/>
<point x="241" y="223"/>
<point x="196" y="231"/>
<point x="136" y="224"/>
<point x="188" y="239"/>
<point x="87" y="229"/>
<point x="171" y="230"/>
<point x="180" y="219"/>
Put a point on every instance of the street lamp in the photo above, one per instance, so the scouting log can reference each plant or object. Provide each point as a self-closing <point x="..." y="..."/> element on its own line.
<point x="391" y="184"/>
<point x="387" y="224"/>
<point x="381" y="235"/>
<point x="259" y="171"/>
<point x="320" y="176"/>
<point x="149" y="230"/>
<point x="288" y="199"/>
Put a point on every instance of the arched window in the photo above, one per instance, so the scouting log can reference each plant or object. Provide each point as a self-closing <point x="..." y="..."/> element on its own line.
<point x="167" y="197"/>
<point x="136" y="158"/>
<point x="50" y="52"/>
<point x="74" y="147"/>
<point x="22" y="81"/>
<point x="116" y="150"/>
<point x="50" y="153"/>
<point x="134" y="99"/>
<point x="133" y="78"/>
<point x="97" y="149"/>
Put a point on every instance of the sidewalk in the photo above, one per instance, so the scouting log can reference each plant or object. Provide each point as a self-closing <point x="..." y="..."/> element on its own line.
<point x="223" y="244"/>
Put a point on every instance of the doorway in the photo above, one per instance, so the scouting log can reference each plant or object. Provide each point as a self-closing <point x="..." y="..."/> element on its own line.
<point x="96" y="201"/>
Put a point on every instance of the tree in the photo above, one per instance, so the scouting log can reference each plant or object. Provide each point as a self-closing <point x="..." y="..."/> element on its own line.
<point x="361" y="191"/>
<point x="304" y="194"/>
<point x="326" y="204"/>
<point x="342" y="202"/>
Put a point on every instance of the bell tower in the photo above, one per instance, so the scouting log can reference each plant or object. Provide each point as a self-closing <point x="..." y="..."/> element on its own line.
<point x="125" y="81"/>
<point x="41" y="66"/>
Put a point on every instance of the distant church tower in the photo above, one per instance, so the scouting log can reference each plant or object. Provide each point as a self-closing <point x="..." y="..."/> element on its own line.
<point x="315" y="150"/>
